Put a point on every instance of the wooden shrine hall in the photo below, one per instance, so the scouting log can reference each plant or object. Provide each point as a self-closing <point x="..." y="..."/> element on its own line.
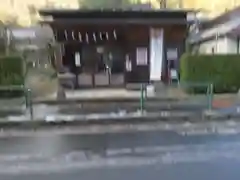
<point x="118" y="47"/>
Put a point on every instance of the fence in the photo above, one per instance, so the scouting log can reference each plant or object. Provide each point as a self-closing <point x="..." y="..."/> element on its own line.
<point x="179" y="96"/>
<point x="175" y="97"/>
<point x="11" y="103"/>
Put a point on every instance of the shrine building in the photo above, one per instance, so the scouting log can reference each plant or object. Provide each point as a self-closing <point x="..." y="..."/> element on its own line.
<point x="114" y="48"/>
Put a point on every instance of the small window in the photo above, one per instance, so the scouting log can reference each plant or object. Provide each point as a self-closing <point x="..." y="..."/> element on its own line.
<point x="213" y="50"/>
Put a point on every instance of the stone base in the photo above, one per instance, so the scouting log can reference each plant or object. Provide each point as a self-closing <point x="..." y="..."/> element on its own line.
<point x="61" y="95"/>
<point x="133" y="86"/>
<point x="159" y="88"/>
<point x="41" y="85"/>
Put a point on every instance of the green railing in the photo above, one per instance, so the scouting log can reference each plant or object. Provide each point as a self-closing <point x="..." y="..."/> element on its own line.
<point x="27" y="94"/>
<point x="143" y="97"/>
<point x="209" y="89"/>
<point x="206" y="87"/>
<point x="210" y="93"/>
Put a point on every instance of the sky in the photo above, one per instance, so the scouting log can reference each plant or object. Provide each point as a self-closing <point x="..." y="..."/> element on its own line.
<point x="19" y="8"/>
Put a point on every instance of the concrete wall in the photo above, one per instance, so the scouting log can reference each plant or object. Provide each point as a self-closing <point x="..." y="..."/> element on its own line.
<point x="223" y="45"/>
<point x="232" y="46"/>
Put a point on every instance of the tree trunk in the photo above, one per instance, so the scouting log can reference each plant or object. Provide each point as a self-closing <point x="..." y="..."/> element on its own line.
<point x="163" y="4"/>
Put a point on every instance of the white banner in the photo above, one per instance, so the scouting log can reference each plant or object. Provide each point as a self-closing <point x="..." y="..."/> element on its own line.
<point x="172" y="54"/>
<point x="77" y="59"/>
<point x="128" y="64"/>
<point x="156" y="54"/>
<point x="142" y="56"/>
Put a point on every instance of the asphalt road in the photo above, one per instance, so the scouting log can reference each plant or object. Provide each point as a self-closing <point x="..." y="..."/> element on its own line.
<point x="165" y="155"/>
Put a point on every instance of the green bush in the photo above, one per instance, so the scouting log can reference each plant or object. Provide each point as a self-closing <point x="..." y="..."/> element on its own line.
<point x="221" y="70"/>
<point x="11" y="74"/>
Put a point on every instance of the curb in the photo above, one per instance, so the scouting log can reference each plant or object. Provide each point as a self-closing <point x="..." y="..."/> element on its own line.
<point x="129" y="119"/>
<point x="103" y="100"/>
<point x="215" y="115"/>
<point x="222" y="117"/>
<point x="84" y="121"/>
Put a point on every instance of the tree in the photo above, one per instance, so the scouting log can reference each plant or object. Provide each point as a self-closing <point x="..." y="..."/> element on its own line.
<point x="163" y="4"/>
<point x="33" y="13"/>
<point x="9" y="19"/>
<point x="170" y="3"/>
<point x="98" y="4"/>
<point x="7" y="42"/>
<point x="2" y="37"/>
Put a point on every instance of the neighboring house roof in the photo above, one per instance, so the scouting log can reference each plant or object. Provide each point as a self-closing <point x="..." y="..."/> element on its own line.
<point x="235" y="32"/>
<point x="219" y="30"/>
<point x="225" y="24"/>
<point x="222" y="18"/>
<point x="32" y="37"/>
<point x="23" y="33"/>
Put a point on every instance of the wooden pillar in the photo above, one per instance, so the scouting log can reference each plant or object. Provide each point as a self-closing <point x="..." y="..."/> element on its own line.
<point x="58" y="56"/>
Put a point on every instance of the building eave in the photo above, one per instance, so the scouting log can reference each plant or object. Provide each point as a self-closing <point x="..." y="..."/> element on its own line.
<point x="176" y="21"/>
<point x="70" y="12"/>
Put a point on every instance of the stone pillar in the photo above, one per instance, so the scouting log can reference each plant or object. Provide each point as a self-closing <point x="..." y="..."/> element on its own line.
<point x="61" y="94"/>
<point x="159" y="87"/>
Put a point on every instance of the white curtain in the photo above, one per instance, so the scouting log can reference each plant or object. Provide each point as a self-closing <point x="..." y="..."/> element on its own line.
<point x="156" y="54"/>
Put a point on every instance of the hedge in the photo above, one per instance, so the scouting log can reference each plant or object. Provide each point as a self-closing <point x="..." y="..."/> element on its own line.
<point x="11" y="73"/>
<point x="221" y="70"/>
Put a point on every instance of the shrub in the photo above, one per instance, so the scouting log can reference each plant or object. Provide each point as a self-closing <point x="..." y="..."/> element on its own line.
<point x="11" y="74"/>
<point x="221" y="70"/>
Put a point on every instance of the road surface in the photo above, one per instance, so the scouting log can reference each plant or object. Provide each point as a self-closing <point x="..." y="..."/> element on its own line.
<point x="148" y="155"/>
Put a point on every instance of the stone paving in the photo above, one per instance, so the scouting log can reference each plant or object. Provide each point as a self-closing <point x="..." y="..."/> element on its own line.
<point x="95" y="93"/>
<point x="116" y="93"/>
<point x="225" y="100"/>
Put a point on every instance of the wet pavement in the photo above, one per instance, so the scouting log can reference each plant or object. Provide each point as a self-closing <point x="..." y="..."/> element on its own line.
<point x="153" y="154"/>
<point x="42" y="111"/>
